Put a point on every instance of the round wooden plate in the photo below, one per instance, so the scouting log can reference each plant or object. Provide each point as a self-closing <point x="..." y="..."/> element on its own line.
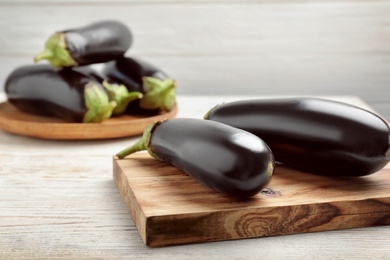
<point x="14" y="121"/>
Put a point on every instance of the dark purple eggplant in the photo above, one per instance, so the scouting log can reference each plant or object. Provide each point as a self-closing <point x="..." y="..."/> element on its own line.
<point x="66" y="94"/>
<point x="96" y="43"/>
<point x="224" y="158"/>
<point x="158" y="89"/>
<point x="116" y="92"/>
<point x="313" y="135"/>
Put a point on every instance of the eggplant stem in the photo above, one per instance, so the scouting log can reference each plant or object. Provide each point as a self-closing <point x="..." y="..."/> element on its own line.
<point x="159" y="94"/>
<point x="141" y="145"/>
<point x="168" y="97"/>
<point x="207" y="115"/>
<point x="121" y="95"/>
<point x="44" y="55"/>
<point x="99" y="107"/>
<point x="56" y="52"/>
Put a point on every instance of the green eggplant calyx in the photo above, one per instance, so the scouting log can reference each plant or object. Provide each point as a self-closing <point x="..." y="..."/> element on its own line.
<point x="207" y="115"/>
<point x="99" y="107"/>
<point x="159" y="94"/>
<point x="121" y="95"/>
<point x="270" y="169"/>
<point x="56" y="52"/>
<point x="142" y="144"/>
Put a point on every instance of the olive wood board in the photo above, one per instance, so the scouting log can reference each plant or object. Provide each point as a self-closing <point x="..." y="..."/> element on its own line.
<point x="14" y="121"/>
<point x="171" y="208"/>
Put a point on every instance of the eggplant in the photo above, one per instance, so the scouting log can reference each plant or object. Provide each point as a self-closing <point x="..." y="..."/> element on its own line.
<point x="224" y="158"/>
<point x="116" y="92"/>
<point x="95" y="43"/>
<point x="66" y="94"/>
<point x="312" y="134"/>
<point x="157" y="87"/>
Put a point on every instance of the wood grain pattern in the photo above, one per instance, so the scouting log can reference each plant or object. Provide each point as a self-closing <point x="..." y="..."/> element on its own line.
<point x="171" y="208"/>
<point x="17" y="122"/>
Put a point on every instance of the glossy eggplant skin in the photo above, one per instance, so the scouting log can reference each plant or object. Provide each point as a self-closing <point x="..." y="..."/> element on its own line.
<point x="91" y="72"/>
<point x="313" y="135"/>
<point x="98" y="42"/>
<point x="130" y="72"/>
<point x="224" y="158"/>
<point x="42" y="90"/>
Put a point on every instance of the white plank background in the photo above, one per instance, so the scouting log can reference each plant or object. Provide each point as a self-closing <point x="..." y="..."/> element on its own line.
<point x="229" y="47"/>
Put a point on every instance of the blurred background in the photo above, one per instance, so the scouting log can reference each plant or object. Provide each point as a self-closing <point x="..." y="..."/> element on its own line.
<point x="229" y="47"/>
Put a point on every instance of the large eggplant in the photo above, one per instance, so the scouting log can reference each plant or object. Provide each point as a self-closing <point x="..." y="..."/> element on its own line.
<point x="67" y="94"/>
<point x="224" y="158"/>
<point x="314" y="135"/>
<point x="96" y="43"/>
<point x="158" y="89"/>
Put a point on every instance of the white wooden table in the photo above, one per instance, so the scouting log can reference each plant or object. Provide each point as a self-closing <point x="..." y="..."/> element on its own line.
<point x="58" y="201"/>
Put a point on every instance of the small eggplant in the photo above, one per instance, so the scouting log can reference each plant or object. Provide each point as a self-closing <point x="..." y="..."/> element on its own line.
<point x="67" y="94"/>
<point x="224" y="158"/>
<point x="137" y="75"/>
<point x="117" y="93"/>
<point x="96" y="43"/>
<point x="313" y="135"/>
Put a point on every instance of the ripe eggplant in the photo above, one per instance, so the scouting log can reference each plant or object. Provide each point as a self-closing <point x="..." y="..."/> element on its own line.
<point x="313" y="135"/>
<point x="224" y="158"/>
<point x="137" y="75"/>
<point x="116" y="92"/>
<point x="96" y="43"/>
<point x="67" y="94"/>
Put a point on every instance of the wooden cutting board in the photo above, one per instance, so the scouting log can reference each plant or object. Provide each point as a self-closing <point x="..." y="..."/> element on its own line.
<point x="170" y="208"/>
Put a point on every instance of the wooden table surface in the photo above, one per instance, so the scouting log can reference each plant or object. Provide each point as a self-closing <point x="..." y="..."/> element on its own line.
<point x="58" y="200"/>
